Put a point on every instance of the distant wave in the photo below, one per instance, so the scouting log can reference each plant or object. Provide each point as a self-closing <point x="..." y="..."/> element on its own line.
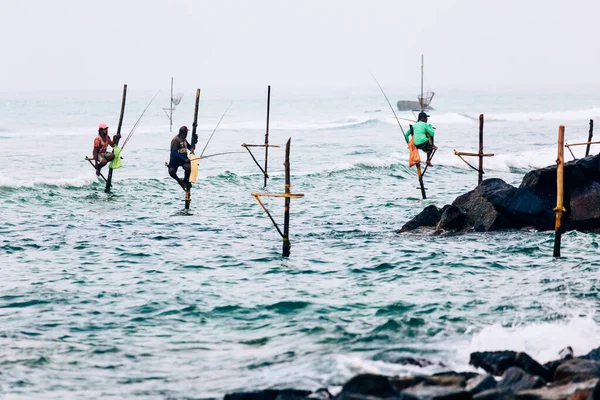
<point x="552" y="116"/>
<point x="76" y="182"/>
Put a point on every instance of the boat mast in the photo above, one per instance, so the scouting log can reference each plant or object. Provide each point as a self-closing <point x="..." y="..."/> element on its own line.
<point x="171" y="105"/>
<point x="421" y="99"/>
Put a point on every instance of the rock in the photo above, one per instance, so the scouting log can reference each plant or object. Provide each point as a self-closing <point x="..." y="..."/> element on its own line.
<point x="269" y="394"/>
<point x="401" y="383"/>
<point x="321" y="394"/>
<point x="577" y="367"/>
<point x="530" y="366"/>
<point x="515" y="379"/>
<point x="482" y="215"/>
<point x="494" y="362"/>
<point x="565" y="354"/>
<point x="425" y="392"/>
<point x="495" y="205"/>
<point x="453" y="218"/>
<point x="495" y="394"/>
<point x="560" y="392"/>
<point x="367" y="385"/>
<point x="595" y="394"/>
<point x="430" y="216"/>
<point x="480" y="383"/>
<point x="592" y="355"/>
<point x="396" y="357"/>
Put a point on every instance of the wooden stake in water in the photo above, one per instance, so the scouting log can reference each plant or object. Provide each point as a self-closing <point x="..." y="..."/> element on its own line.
<point x="116" y="141"/>
<point x="287" y="195"/>
<point x="480" y="154"/>
<point x="267" y="134"/>
<point x="590" y="136"/>
<point x="560" y="209"/>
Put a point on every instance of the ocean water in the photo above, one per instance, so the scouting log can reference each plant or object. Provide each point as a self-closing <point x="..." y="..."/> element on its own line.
<point x="124" y="295"/>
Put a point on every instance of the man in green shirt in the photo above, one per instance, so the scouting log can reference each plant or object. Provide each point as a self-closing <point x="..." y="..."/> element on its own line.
<point x="423" y="134"/>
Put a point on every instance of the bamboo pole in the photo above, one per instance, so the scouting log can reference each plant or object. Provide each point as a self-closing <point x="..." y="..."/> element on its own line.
<point x="560" y="164"/>
<point x="267" y="134"/>
<point x="286" y="216"/>
<point x="188" y="188"/>
<point x="116" y="141"/>
<point x="421" y="184"/>
<point x="92" y="164"/>
<point x="480" y="149"/>
<point x="591" y="134"/>
<point x="463" y="153"/>
<point x="580" y="144"/>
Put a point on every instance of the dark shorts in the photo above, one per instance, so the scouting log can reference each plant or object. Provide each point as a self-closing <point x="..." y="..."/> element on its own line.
<point x="426" y="147"/>
<point x="174" y="163"/>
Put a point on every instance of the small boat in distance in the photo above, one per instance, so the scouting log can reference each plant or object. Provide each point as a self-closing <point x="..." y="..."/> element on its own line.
<point x="423" y="100"/>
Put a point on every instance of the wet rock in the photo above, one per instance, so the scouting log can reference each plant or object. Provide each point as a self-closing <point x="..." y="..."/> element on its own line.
<point x="494" y="362"/>
<point x="396" y="357"/>
<point x="495" y="205"/>
<point x="480" y="205"/>
<point x="515" y="379"/>
<point x="592" y="355"/>
<point x="577" y="367"/>
<point x="570" y="391"/>
<point x="480" y="383"/>
<point x="453" y="218"/>
<point x="530" y="366"/>
<point x="321" y="394"/>
<point x="401" y="383"/>
<point x="459" y="378"/>
<point x="430" y="216"/>
<point x="426" y="392"/>
<point x="595" y="394"/>
<point x="367" y="385"/>
<point x="495" y="394"/>
<point x="269" y="394"/>
<point x="565" y="354"/>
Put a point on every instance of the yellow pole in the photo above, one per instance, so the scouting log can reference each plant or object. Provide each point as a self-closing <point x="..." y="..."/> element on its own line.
<point x="560" y="176"/>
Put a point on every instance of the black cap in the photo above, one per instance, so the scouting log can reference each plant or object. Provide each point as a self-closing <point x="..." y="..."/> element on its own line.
<point x="183" y="129"/>
<point x="422" y="115"/>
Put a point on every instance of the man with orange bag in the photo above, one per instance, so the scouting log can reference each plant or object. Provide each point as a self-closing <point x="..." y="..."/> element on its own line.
<point x="423" y="134"/>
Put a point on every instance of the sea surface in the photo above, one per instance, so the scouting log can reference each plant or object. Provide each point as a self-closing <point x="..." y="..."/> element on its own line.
<point x="126" y="295"/>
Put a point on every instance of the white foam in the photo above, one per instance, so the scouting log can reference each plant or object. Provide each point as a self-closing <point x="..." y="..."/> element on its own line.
<point x="77" y="181"/>
<point x="542" y="341"/>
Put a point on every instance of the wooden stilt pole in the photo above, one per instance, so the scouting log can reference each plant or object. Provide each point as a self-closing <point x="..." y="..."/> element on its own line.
<point x="480" y="149"/>
<point x="188" y="189"/>
<point x="286" y="216"/>
<point x="423" y="194"/>
<point x="560" y="164"/>
<point x="267" y="134"/>
<point x="116" y="141"/>
<point x="591" y="134"/>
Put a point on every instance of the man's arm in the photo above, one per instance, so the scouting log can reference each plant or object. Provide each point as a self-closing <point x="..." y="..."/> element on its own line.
<point x="95" y="151"/>
<point x="430" y="129"/>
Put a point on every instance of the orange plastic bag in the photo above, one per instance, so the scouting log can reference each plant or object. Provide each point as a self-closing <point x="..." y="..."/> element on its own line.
<point x="413" y="157"/>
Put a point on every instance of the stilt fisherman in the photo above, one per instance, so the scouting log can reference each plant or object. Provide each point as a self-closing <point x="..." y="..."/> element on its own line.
<point x="179" y="157"/>
<point x="423" y="134"/>
<point x="100" y="154"/>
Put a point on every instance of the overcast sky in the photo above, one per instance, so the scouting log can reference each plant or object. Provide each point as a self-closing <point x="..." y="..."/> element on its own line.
<point x="88" y="44"/>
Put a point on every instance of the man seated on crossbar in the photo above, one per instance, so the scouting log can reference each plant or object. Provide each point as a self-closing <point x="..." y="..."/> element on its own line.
<point x="423" y="134"/>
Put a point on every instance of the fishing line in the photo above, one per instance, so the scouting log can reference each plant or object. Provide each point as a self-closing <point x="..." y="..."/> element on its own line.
<point x="214" y="130"/>
<point x="137" y="122"/>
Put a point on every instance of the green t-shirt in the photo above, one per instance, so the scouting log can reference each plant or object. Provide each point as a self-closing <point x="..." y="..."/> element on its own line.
<point x="420" y="129"/>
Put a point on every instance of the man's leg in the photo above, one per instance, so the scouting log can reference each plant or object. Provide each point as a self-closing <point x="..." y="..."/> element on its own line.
<point x="173" y="173"/>
<point x="188" y="170"/>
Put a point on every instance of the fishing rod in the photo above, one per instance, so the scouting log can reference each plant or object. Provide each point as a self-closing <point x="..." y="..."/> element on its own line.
<point x="138" y="122"/>
<point x="217" y="154"/>
<point x="214" y="130"/>
<point x="390" y="104"/>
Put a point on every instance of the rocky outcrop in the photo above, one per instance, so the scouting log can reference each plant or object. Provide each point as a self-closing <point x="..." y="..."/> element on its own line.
<point x="496" y="205"/>
<point x="521" y="377"/>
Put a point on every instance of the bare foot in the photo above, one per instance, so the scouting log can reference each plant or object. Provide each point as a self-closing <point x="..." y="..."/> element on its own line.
<point x="97" y="171"/>
<point x="182" y="184"/>
<point x="429" y="164"/>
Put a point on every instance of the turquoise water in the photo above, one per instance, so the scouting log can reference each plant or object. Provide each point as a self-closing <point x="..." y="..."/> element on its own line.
<point x="126" y="295"/>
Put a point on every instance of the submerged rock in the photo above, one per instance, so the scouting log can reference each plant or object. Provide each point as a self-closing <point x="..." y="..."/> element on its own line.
<point x="496" y="205"/>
